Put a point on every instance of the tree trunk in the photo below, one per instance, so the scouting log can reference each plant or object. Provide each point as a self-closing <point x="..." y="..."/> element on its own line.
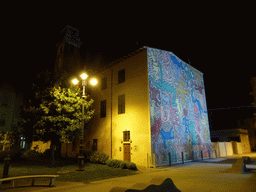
<point x="52" y="147"/>
<point x="58" y="149"/>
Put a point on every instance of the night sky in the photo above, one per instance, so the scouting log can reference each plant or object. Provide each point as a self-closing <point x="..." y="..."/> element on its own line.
<point x="219" y="40"/>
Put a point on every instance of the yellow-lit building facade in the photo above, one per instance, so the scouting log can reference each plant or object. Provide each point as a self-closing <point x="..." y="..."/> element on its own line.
<point x="120" y="126"/>
<point x="150" y="109"/>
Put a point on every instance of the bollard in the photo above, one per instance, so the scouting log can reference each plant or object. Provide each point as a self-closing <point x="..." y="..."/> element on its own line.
<point x="209" y="154"/>
<point x="6" y="168"/>
<point x="216" y="153"/>
<point x="202" y="155"/>
<point x="170" y="159"/>
<point x="243" y="168"/>
<point x="182" y="155"/>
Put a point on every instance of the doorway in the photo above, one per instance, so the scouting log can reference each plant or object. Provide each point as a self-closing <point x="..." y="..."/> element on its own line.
<point x="127" y="152"/>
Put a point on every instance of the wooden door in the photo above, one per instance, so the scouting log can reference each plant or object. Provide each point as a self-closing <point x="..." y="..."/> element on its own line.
<point x="127" y="152"/>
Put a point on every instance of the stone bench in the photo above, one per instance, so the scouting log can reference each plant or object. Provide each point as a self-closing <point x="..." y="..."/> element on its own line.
<point x="33" y="177"/>
<point x="243" y="165"/>
<point x="246" y="159"/>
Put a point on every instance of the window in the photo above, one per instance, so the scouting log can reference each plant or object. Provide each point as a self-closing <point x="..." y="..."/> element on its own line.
<point x="121" y="104"/>
<point x="126" y="135"/>
<point x="103" y="105"/>
<point x="104" y="83"/>
<point x="94" y="147"/>
<point x="121" y="76"/>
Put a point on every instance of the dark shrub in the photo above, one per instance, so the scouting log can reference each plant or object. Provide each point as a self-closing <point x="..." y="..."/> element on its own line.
<point x="47" y="153"/>
<point x="94" y="157"/>
<point x="131" y="166"/>
<point x="109" y="162"/>
<point x="123" y="165"/>
<point x="98" y="157"/>
<point x="17" y="155"/>
<point x="32" y="154"/>
<point x="116" y="163"/>
<point x="103" y="158"/>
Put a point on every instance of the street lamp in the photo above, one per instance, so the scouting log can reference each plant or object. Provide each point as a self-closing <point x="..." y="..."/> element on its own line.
<point x="81" y="156"/>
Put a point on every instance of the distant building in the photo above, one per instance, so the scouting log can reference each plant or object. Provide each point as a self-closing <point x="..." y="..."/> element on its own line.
<point x="9" y="107"/>
<point x="9" y="112"/>
<point x="238" y="137"/>
<point x="149" y="106"/>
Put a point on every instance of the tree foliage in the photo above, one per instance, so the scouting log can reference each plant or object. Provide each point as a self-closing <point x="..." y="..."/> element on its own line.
<point x="30" y="116"/>
<point x="54" y="110"/>
<point x="62" y="114"/>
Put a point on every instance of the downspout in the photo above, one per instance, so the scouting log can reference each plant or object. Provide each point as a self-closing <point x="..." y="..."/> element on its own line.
<point x="111" y="110"/>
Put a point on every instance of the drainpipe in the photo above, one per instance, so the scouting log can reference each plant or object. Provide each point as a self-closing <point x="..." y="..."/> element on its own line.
<point x="111" y="111"/>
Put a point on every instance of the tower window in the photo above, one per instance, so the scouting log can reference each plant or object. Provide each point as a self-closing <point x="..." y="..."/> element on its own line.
<point x="126" y="135"/>
<point x="121" y="76"/>
<point x="103" y="105"/>
<point x="104" y="83"/>
<point x="121" y="104"/>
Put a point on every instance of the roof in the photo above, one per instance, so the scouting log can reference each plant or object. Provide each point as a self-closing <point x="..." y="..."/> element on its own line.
<point x="226" y="132"/>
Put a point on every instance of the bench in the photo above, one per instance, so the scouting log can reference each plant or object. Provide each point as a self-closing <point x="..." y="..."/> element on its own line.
<point x="14" y="179"/>
<point x="247" y="164"/>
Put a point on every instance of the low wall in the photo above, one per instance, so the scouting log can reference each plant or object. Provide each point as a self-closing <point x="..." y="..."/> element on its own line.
<point x="239" y="148"/>
<point x="228" y="149"/>
<point x="224" y="149"/>
<point x="40" y="146"/>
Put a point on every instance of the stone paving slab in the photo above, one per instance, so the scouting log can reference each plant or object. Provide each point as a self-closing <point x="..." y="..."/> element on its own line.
<point x="188" y="177"/>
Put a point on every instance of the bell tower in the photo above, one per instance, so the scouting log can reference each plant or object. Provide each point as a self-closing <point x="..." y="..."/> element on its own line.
<point x="68" y="54"/>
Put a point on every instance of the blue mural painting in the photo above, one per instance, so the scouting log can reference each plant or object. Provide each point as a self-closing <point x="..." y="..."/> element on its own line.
<point x="178" y="112"/>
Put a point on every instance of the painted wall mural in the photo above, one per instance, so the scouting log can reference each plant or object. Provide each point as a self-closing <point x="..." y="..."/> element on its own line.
<point x="178" y="112"/>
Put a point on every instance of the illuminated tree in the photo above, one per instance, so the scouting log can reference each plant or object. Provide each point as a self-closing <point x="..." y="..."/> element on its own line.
<point x="30" y="115"/>
<point x="55" y="111"/>
<point x="62" y="116"/>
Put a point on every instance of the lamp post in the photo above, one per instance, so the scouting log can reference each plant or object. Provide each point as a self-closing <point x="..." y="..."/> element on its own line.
<point x="81" y="147"/>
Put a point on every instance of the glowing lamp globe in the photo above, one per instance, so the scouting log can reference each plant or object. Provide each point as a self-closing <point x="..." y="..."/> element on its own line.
<point x="84" y="76"/>
<point x="94" y="81"/>
<point x="75" y="81"/>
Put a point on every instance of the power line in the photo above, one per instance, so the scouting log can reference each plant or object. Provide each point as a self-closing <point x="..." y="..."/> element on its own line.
<point x="230" y="108"/>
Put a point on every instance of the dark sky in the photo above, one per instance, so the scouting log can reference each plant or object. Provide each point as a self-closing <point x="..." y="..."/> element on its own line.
<point x="218" y="40"/>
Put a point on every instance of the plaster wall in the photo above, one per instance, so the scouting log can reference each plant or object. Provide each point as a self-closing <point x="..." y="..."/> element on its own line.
<point x="245" y="143"/>
<point x="136" y="117"/>
<point x="229" y="148"/>
<point x="239" y="148"/>
<point x="40" y="146"/>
